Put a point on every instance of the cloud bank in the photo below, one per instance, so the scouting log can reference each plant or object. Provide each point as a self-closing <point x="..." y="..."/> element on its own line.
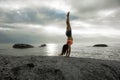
<point x="44" y="20"/>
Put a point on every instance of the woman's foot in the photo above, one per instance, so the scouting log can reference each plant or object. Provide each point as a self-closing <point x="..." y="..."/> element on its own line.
<point x="68" y="14"/>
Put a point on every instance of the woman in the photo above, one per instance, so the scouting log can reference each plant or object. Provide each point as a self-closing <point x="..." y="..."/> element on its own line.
<point x="67" y="47"/>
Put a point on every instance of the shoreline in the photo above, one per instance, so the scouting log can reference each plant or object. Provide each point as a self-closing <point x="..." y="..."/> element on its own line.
<point x="57" y="68"/>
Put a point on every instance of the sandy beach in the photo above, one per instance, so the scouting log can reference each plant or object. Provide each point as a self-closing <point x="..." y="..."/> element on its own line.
<point x="57" y="68"/>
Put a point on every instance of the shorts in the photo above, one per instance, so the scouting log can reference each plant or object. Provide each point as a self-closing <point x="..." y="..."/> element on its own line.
<point x="69" y="42"/>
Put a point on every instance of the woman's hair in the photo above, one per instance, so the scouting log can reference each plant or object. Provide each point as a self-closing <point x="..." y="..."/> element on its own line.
<point x="64" y="49"/>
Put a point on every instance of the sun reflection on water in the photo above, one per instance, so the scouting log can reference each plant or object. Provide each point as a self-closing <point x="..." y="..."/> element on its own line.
<point x="51" y="49"/>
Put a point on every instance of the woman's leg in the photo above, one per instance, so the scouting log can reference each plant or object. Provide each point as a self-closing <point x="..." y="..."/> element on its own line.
<point x="68" y="27"/>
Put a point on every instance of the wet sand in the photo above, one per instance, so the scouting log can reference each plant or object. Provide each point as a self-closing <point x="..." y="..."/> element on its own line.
<point x="57" y="68"/>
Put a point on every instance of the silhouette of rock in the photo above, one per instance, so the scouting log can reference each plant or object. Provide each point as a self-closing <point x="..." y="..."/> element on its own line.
<point x="100" y="45"/>
<point x="42" y="45"/>
<point x="22" y="46"/>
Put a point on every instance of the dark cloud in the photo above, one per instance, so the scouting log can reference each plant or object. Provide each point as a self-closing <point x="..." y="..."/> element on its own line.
<point x="42" y="16"/>
<point x="27" y="15"/>
<point x="20" y="16"/>
<point x="23" y="36"/>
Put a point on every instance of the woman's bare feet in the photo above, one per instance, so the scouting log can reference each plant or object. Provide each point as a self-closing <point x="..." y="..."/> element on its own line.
<point x="68" y="14"/>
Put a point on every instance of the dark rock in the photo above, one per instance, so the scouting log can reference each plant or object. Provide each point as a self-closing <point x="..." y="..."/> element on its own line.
<point x="22" y="46"/>
<point x="49" y="73"/>
<point x="42" y="45"/>
<point x="99" y="72"/>
<point x="38" y="73"/>
<point x="30" y="65"/>
<point x="100" y="45"/>
<point x="15" y="70"/>
<point x="6" y="74"/>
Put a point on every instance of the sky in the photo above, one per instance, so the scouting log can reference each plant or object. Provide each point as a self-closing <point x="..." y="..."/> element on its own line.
<point x="43" y="21"/>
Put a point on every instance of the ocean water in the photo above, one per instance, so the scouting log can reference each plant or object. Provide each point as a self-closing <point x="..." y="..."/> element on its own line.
<point x="112" y="52"/>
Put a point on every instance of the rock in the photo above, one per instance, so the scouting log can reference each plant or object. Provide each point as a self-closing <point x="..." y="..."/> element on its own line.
<point x="16" y="70"/>
<point x="100" y="45"/>
<point x="22" y="46"/>
<point x="58" y="68"/>
<point x="42" y="45"/>
<point x="30" y="65"/>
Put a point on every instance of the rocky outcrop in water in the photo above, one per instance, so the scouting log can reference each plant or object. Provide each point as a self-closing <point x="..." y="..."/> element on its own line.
<point x="100" y="45"/>
<point x="42" y="45"/>
<point x="22" y="46"/>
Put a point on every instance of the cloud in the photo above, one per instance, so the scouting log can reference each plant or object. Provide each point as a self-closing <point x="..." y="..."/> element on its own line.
<point x="46" y="19"/>
<point x="96" y="10"/>
<point x="32" y="15"/>
<point x="94" y="5"/>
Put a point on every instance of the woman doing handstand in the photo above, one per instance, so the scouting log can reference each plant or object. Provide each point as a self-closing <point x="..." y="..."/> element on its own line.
<point x="67" y="47"/>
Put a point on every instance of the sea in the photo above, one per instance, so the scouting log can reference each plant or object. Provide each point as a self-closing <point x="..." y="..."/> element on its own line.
<point x="79" y="50"/>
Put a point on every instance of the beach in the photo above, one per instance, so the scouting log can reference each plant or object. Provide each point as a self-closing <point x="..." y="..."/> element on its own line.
<point x="57" y="68"/>
<point x="35" y="34"/>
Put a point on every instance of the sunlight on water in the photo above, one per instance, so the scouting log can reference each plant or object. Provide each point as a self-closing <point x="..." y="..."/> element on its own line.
<point x="51" y="49"/>
<point x="112" y="52"/>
